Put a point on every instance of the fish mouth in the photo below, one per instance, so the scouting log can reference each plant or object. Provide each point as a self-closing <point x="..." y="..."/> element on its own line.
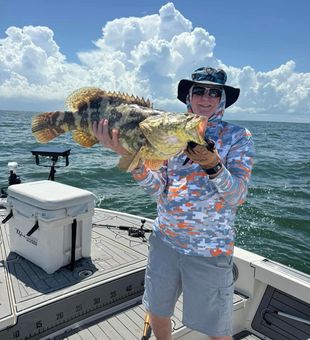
<point x="196" y="127"/>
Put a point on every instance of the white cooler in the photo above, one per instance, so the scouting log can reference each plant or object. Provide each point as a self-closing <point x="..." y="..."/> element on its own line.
<point x="56" y="216"/>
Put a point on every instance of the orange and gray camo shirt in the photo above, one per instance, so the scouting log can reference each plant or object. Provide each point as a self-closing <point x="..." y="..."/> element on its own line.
<point x="195" y="213"/>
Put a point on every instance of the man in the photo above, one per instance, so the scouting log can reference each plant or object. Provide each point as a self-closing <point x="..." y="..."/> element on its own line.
<point x="198" y="193"/>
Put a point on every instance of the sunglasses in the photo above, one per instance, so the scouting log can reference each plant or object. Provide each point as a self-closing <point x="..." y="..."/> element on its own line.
<point x="210" y="74"/>
<point x="201" y="91"/>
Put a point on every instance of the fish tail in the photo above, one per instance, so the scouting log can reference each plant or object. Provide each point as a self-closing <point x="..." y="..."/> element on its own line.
<point x="49" y="125"/>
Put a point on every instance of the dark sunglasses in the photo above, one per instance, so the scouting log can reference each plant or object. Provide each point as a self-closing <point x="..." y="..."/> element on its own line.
<point x="201" y="91"/>
<point x="209" y="74"/>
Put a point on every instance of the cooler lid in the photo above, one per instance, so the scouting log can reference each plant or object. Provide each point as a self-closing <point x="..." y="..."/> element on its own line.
<point x="50" y="195"/>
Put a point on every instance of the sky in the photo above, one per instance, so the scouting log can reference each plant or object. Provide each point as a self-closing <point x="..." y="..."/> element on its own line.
<point x="49" y="48"/>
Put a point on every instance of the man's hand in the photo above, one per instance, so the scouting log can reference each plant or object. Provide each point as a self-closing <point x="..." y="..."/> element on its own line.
<point x="207" y="157"/>
<point x="101" y="132"/>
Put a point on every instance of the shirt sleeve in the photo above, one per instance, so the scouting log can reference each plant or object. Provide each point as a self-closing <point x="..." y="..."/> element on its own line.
<point x="153" y="182"/>
<point x="232" y="183"/>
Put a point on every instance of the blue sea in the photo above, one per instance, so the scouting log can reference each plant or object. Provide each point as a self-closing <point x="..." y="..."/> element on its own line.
<point x="274" y="222"/>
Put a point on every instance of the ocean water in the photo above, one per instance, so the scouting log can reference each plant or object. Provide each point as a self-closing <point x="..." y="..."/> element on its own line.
<point x="274" y="222"/>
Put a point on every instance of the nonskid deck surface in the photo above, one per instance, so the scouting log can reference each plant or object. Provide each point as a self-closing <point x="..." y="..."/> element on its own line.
<point x="128" y="324"/>
<point x="34" y="303"/>
<point x="99" y="299"/>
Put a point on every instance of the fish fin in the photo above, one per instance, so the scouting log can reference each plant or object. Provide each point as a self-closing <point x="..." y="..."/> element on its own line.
<point x="125" y="162"/>
<point x="83" y="138"/>
<point x="130" y="162"/>
<point x="118" y="98"/>
<point x="86" y="95"/>
<point x="153" y="164"/>
<point x="45" y="126"/>
<point x="124" y="98"/>
<point x="83" y="96"/>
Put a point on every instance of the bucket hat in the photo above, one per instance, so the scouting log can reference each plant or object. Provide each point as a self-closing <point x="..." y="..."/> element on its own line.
<point x="208" y="76"/>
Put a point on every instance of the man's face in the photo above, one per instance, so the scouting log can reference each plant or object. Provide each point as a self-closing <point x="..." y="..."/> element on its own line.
<point x="205" y="100"/>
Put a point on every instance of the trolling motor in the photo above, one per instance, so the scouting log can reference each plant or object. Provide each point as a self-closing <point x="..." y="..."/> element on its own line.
<point x="13" y="178"/>
<point x="53" y="153"/>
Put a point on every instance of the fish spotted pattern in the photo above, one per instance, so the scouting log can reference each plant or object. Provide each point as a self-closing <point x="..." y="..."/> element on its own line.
<point x="147" y="134"/>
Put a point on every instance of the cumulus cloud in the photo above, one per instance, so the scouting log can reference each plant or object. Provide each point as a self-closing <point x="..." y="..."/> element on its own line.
<point x="32" y="68"/>
<point x="146" y="56"/>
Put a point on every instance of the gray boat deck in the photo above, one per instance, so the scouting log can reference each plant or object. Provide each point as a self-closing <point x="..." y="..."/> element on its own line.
<point x="99" y="299"/>
<point x="127" y="324"/>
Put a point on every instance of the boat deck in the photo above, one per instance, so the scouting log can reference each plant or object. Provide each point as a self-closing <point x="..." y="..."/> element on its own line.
<point x="99" y="299"/>
<point x="128" y="325"/>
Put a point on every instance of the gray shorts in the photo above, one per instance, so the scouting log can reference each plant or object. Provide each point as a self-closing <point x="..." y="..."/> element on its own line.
<point x="206" y="283"/>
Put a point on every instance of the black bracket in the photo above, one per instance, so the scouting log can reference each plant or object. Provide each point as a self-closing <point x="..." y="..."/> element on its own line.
<point x="53" y="153"/>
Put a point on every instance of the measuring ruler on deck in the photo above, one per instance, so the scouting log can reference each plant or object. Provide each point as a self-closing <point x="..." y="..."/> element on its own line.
<point x="64" y="313"/>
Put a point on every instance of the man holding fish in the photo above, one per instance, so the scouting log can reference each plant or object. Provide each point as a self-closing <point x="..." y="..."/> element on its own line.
<point x="198" y="192"/>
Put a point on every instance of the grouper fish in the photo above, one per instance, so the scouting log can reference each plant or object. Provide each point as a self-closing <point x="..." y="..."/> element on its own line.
<point x="148" y="135"/>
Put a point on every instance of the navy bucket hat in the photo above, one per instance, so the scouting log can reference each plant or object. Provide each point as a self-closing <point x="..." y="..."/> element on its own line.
<point x="208" y="76"/>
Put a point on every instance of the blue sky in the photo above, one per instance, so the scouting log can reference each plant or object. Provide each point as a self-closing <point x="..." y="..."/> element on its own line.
<point x="263" y="45"/>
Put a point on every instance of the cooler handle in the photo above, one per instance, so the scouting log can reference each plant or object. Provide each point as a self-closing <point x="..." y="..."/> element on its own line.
<point x="33" y="229"/>
<point x="73" y="243"/>
<point x="8" y="217"/>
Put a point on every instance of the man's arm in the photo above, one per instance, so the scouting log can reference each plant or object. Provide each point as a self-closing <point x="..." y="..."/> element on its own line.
<point x="153" y="182"/>
<point x="232" y="182"/>
<point x="230" y="179"/>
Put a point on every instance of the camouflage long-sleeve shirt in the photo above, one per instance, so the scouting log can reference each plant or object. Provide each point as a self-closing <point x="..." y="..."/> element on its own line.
<point x="195" y="213"/>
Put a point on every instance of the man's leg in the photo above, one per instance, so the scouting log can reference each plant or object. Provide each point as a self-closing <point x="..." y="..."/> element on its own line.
<point x="208" y="295"/>
<point x="161" y="327"/>
<point x="162" y="286"/>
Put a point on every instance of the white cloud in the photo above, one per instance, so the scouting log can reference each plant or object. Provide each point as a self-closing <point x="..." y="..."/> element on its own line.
<point x="278" y="92"/>
<point x="146" y="56"/>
